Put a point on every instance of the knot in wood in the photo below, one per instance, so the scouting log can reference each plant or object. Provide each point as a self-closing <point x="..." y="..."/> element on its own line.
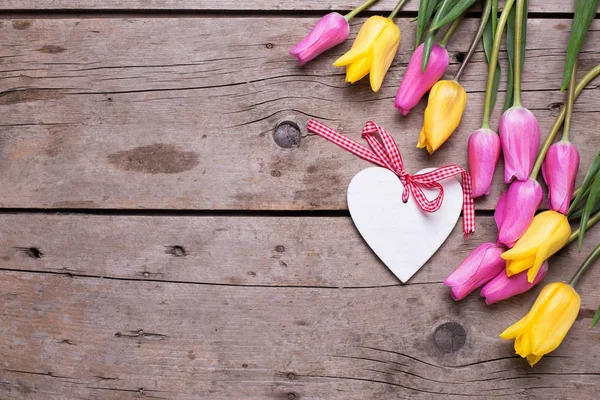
<point x="449" y="337"/>
<point x="287" y="134"/>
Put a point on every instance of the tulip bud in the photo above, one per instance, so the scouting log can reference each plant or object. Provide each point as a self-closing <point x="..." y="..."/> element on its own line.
<point x="560" y="170"/>
<point x="447" y="101"/>
<point x="416" y="83"/>
<point x="503" y="286"/>
<point x="372" y="52"/>
<point x="545" y="326"/>
<point x="483" y="264"/>
<point x="549" y="232"/>
<point x="330" y="31"/>
<point x="516" y="209"/>
<point x="484" y="151"/>
<point x="520" y="136"/>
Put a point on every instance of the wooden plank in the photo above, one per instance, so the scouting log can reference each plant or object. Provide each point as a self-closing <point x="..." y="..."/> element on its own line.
<point x="150" y="113"/>
<point x="231" y="5"/>
<point x="311" y="330"/>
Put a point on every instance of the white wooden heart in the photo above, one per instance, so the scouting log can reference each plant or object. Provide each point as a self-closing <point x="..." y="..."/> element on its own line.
<point x="401" y="234"/>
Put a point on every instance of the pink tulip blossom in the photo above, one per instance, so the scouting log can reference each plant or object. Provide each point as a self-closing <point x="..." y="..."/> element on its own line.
<point x="482" y="265"/>
<point x="484" y="151"/>
<point x="516" y="208"/>
<point x="415" y="83"/>
<point x="560" y="170"/>
<point x="503" y="287"/>
<point x="520" y="137"/>
<point x="330" y="31"/>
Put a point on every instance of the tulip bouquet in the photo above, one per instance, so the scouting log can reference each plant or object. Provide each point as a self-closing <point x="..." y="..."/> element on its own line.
<point x="531" y="239"/>
<point x="519" y="260"/>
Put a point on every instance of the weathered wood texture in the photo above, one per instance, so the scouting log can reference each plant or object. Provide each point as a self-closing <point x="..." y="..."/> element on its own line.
<point x="293" y="308"/>
<point x="232" y="5"/>
<point x="180" y="113"/>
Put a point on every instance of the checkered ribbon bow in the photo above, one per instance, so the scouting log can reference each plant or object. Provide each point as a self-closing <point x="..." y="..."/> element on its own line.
<point x="385" y="153"/>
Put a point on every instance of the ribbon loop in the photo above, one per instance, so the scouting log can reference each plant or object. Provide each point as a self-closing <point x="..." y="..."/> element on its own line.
<point x="384" y="152"/>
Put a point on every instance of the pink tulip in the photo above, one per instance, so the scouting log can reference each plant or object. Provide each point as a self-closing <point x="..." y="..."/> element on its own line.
<point x="484" y="151"/>
<point x="415" y="84"/>
<point x="520" y="136"/>
<point x="516" y="208"/>
<point x="330" y="31"/>
<point x="560" y="170"/>
<point x="503" y="287"/>
<point x="483" y="264"/>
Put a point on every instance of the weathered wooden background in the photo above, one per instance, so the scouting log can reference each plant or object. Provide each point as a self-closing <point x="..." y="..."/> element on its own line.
<point x="156" y="241"/>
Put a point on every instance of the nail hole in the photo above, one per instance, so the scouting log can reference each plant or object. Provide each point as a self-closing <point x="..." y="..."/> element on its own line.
<point x="269" y="45"/>
<point x="460" y="57"/>
<point x="280" y="248"/>
<point x="287" y="134"/>
<point x="291" y="396"/>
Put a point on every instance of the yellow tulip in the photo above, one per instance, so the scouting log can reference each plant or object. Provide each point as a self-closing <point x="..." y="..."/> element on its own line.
<point x="372" y="52"/>
<point x="445" y="107"/>
<point x="549" y="232"/>
<point x="547" y="323"/>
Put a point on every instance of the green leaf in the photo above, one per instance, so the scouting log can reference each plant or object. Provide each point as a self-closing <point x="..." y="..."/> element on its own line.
<point x="584" y="189"/>
<point x="446" y="4"/>
<point x="510" y="49"/>
<point x="427" y="49"/>
<point x="592" y="199"/>
<point x="595" y="319"/>
<point x="459" y="8"/>
<point x="426" y="8"/>
<point x="488" y="44"/>
<point x="421" y="22"/>
<point x="585" y="11"/>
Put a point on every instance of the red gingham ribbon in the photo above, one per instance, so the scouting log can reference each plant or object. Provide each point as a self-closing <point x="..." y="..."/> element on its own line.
<point x="385" y="153"/>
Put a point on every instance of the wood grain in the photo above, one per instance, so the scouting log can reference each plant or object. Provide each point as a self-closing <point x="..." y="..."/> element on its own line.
<point x="174" y="113"/>
<point x="251" y="5"/>
<point x="80" y="320"/>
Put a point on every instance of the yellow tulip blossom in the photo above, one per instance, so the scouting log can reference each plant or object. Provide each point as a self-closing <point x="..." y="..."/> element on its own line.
<point x="372" y="52"/>
<point x="547" y="323"/>
<point x="445" y="107"/>
<point x="549" y="232"/>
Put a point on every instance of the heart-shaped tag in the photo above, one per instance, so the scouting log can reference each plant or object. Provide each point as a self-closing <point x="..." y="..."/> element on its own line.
<point x="401" y="234"/>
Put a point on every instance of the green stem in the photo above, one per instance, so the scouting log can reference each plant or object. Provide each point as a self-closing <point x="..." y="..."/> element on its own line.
<point x="482" y="23"/>
<point x="586" y="264"/>
<point x="489" y="88"/>
<point x="448" y="35"/>
<point x="397" y="9"/>
<point x="517" y="58"/>
<point x="570" y="102"/>
<point x="359" y="9"/>
<point x="559" y="121"/>
<point x="593" y="219"/>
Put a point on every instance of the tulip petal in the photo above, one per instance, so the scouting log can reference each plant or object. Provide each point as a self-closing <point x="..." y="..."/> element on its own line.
<point x="520" y="327"/>
<point x="532" y="359"/>
<point x="500" y="210"/>
<point x="384" y="51"/>
<point x="522" y="347"/>
<point x="367" y="35"/>
<point x="446" y="104"/>
<point x="357" y="70"/>
<point x="514" y="267"/>
<point x="555" y="321"/>
<point x="553" y="243"/>
<point x="541" y="229"/>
